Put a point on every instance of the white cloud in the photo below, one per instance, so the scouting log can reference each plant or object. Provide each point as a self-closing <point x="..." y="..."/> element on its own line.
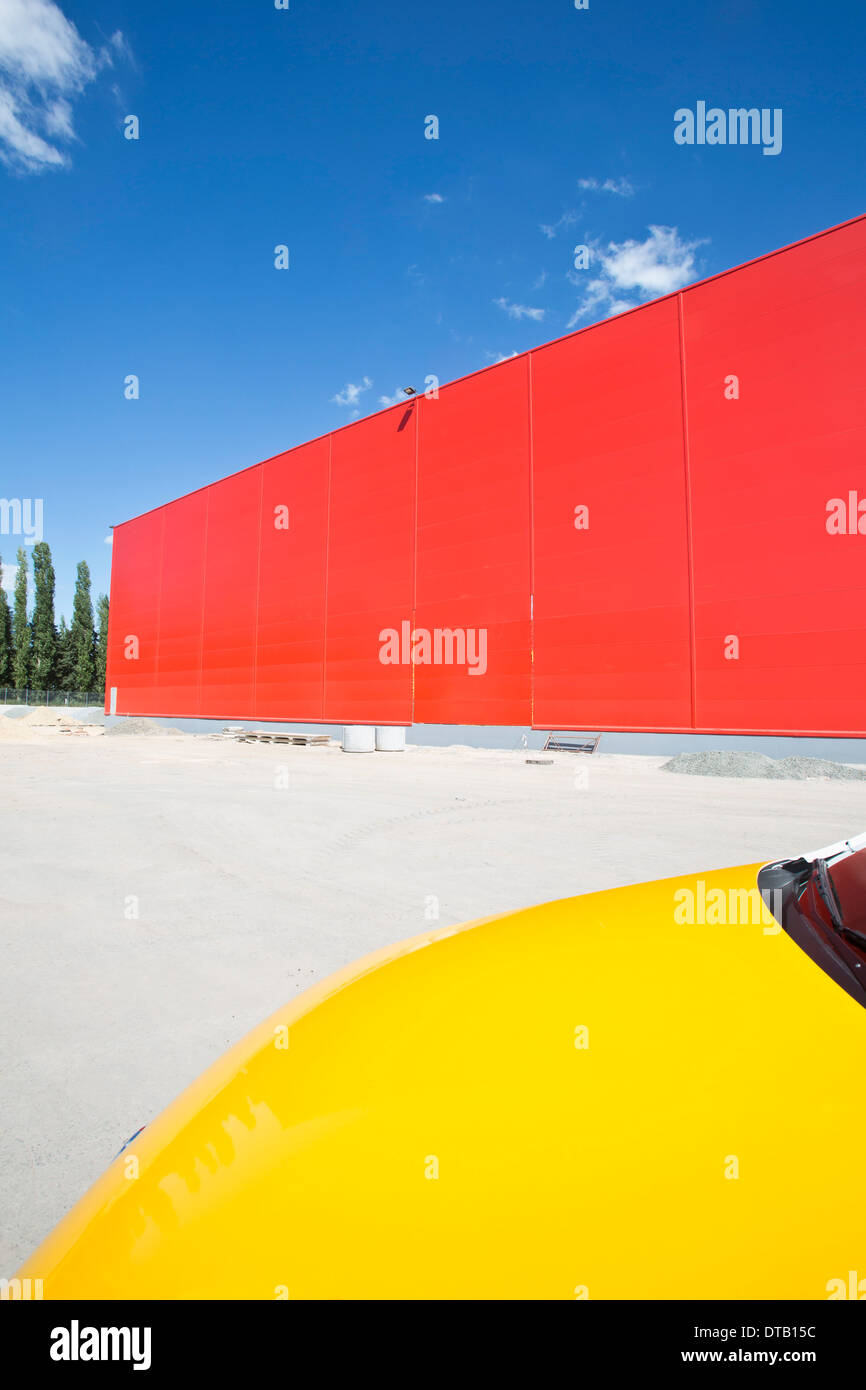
<point x="351" y="393"/>
<point x="44" y="63"/>
<point x="500" y="356"/>
<point x="657" y="265"/>
<point x="519" y="311"/>
<point x="109" y="539"/>
<point x="621" y="187"/>
<point x="598" y="304"/>
<point x="661" y="263"/>
<point x="120" y="46"/>
<point x="398" y="396"/>
<point x="433" y="198"/>
<point x="567" y="219"/>
<point x="9" y="573"/>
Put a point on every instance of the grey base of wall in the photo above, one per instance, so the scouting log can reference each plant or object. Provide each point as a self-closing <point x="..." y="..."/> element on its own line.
<point x="476" y="736"/>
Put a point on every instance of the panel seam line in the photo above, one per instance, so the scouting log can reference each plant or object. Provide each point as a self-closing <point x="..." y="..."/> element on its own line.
<point x="688" y="499"/>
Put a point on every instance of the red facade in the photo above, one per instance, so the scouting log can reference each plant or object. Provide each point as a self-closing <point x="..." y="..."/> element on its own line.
<point x="653" y="524"/>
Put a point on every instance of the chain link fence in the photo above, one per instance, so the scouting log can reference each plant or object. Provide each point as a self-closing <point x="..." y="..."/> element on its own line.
<point x="52" y="697"/>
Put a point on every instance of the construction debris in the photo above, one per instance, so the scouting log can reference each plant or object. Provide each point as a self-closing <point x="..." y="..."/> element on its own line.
<point x="36" y="722"/>
<point x="572" y="743"/>
<point x="266" y="736"/>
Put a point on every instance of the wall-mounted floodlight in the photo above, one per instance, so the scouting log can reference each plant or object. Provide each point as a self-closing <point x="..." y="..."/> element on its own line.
<point x="409" y="391"/>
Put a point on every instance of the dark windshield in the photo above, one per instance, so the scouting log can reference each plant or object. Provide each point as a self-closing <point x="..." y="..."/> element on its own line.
<point x="848" y="877"/>
<point x="822" y="905"/>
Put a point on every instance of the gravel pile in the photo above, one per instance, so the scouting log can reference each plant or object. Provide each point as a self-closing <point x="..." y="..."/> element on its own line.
<point x="718" y="763"/>
<point x="802" y="768"/>
<point x="137" y="727"/>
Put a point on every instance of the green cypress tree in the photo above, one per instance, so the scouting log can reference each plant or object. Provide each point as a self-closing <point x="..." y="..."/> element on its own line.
<point x="21" y="627"/>
<point x="5" y="633"/>
<point x="102" y="640"/>
<point x="42" y="626"/>
<point x="64" y="666"/>
<point x="83" y="636"/>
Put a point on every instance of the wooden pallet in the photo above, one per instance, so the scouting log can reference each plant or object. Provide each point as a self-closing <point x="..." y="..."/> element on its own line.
<point x="298" y="740"/>
<point x="572" y="743"/>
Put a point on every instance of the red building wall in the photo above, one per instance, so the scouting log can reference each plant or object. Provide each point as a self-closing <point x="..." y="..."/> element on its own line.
<point x="642" y="541"/>
<point x="292" y="589"/>
<point x="612" y="600"/>
<point x="473" y="567"/>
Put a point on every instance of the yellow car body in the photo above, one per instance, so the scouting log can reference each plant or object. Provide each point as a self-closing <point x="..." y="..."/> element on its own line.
<point x="597" y="1097"/>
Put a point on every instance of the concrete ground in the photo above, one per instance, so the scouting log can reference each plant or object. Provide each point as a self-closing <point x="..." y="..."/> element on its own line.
<point x="161" y="895"/>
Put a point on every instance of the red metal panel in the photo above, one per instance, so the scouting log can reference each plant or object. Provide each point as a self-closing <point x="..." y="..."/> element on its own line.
<point x="217" y="611"/>
<point x="291" y="623"/>
<point x="370" y="567"/>
<point x="473" y="567"/>
<point x="763" y="469"/>
<point x="181" y="595"/>
<point x="230" y="593"/>
<point x="611" y="603"/>
<point x="133" y="630"/>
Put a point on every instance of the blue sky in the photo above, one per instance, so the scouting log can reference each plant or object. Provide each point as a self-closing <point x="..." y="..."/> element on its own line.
<point x="408" y="256"/>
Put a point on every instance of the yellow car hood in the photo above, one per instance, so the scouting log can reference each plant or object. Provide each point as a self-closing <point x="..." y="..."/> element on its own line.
<point x="598" y="1097"/>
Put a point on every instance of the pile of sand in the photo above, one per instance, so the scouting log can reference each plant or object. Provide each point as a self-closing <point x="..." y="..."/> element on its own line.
<point x="47" y="718"/>
<point x="36" y="723"/>
<point x="718" y="763"/>
<point x="9" y="728"/>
